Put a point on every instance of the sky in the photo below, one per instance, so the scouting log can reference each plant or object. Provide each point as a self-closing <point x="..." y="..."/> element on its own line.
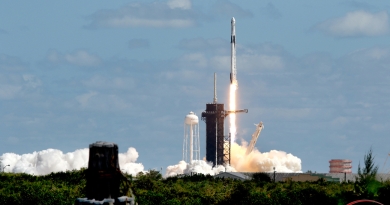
<point x="316" y="73"/>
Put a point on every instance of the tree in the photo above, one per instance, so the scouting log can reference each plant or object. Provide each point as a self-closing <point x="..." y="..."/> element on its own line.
<point x="366" y="183"/>
<point x="370" y="170"/>
<point x="261" y="177"/>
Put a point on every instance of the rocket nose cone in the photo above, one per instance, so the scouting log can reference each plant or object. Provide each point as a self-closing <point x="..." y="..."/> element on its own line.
<point x="233" y="20"/>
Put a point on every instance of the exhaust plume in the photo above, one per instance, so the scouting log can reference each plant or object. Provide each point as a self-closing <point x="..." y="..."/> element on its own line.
<point x="232" y="116"/>
<point x="263" y="162"/>
<point x="240" y="162"/>
<point x="198" y="166"/>
<point x="53" y="160"/>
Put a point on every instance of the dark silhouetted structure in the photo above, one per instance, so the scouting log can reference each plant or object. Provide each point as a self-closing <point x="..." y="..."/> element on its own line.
<point x="217" y="144"/>
<point x="214" y="116"/>
<point x="103" y="175"/>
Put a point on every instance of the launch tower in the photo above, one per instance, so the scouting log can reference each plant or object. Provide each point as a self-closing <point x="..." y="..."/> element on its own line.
<point x="214" y="117"/>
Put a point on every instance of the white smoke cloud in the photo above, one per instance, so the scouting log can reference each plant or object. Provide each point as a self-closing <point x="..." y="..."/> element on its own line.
<point x="263" y="162"/>
<point x="127" y="162"/>
<point x="53" y="160"/>
<point x="198" y="166"/>
<point x="240" y="162"/>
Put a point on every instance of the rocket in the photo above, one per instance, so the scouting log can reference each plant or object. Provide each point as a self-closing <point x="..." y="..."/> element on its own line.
<point x="233" y="71"/>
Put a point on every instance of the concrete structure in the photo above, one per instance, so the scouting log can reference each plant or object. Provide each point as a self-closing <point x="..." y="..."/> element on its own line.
<point x="340" y="166"/>
<point x="310" y="178"/>
<point x="282" y="177"/>
<point x="233" y="175"/>
<point x="104" y="176"/>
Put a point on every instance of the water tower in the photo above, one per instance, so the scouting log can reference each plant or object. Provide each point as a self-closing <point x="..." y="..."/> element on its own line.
<point x="191" y="146"/>
<point x="340" y="166"/>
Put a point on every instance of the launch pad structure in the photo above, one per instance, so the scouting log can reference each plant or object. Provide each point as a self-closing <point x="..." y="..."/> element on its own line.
<point x="218" y="146"/>
<point x="214" y="117"/>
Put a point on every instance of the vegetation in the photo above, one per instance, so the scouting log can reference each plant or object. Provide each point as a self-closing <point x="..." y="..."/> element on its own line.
<point x="151" y="188"/>
<point x="55" y="188"/>
<point x="366" y="184"/>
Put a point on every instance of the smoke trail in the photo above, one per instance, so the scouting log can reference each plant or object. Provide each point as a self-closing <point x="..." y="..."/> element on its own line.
<point x="53" y="160"/>
<point x="232" y="116"/>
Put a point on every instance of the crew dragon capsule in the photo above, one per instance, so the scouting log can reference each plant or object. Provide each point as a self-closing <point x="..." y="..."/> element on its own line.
<point x="233" y="71"/>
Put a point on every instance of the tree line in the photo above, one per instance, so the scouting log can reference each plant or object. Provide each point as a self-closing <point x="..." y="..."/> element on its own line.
<point x="151" y="188"/>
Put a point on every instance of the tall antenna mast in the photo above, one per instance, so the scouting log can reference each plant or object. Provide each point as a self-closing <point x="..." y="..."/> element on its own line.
<point x="215" y="89"/>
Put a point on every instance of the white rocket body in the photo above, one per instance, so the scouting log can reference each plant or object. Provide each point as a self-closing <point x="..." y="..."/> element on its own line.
<point x="233" y="70"/>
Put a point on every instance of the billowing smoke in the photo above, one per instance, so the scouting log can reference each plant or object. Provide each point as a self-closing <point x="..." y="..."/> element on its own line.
<point x="53" y="160"/>
<point x="263" y="162"/>
<point x="240" y="162"/>
<point x="197" y="166"/>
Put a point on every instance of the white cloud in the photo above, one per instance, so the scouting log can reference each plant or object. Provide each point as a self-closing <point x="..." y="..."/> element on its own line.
<point x="379" y="127"/>
<point x="340" y="121"/>
<point x="181" y="4"/>
<point x="53" y="56"/>
<point x="228" y="9"/>
<point x="101" y="82"/>
<point x="84" y="98"/>
<point x="82" y="58"/>
<point x="9" y="91"/>
<point x="195" y="59"/>
<point x="216" y="45"/>
<point x="375" y="53"/>
<point x="357" y="23"/>
<point x="367" y="59"/>
<point x="260" y="62"/>
<point x="31" y="81"/>
<point x="175" y="13"/>
<point x="128" y="21"/>
<point x="293" y="113"/>
<point x="249" y="58"/>
<point x="16" y="85"/>
<point x="249" y="62"/>
<point x="78" y="58"/>
<point x="97" y="101"/>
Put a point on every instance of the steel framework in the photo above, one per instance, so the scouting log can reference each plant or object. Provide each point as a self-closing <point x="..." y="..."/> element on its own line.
<point x="214" y="118"/>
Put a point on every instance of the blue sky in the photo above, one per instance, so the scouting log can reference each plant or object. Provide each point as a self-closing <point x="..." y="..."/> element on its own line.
<point x="315" y="72"/>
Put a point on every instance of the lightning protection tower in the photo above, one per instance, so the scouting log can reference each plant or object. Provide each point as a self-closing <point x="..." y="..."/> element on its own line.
<point x="191" y="146"/>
